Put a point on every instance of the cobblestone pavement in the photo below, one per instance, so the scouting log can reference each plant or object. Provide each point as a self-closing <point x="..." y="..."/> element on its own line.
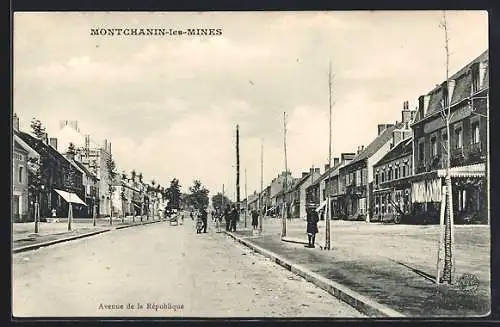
<point x="179" y="272"/>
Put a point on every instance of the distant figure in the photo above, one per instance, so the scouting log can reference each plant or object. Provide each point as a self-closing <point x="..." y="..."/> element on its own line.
<point x="255" y="219"/>
<point x="204" y="218"/>
<point x="227" y="218"/>
<point x="234" y="218"/>
<point x="191" y="214"/>
<point x="312" y="226"/>
<point x="54" y="213"/>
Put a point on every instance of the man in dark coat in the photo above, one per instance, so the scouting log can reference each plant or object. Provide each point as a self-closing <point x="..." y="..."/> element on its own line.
<point x="227" y="218"/>
<point x="312" y="226"/>
<point x="203" y="216"/>
<point x="234" y="218"/>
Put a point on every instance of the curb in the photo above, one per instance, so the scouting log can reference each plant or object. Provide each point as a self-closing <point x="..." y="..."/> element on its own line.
<point x="71" y="238"/>
<point x="359" y="302"/>
<point x="62" y="240"/>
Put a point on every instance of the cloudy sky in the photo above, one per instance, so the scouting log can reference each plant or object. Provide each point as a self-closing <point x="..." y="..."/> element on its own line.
<point x="170" y="104"/>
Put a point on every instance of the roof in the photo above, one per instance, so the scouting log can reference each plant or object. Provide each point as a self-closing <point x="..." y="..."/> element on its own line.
<point x="403" y="148"/>
<point x="40" y="147"/>
<point x="85" y="169"/>
<point x="25" y="146"/>
<point x="375" y="145"/>
<point x="461" y="91"/>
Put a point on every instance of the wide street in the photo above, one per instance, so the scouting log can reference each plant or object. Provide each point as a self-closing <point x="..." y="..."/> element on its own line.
<point x="179" y="272"/>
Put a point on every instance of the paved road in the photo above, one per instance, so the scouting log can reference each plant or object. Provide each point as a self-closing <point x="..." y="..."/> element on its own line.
<point x="182" y="273"/>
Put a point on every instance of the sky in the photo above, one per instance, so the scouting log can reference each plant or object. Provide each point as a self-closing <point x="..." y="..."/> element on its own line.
<point x="170" y="104"/>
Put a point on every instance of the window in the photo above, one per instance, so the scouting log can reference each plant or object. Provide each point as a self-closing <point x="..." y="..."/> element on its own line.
<point x="389" y="174"/>
<point x="445" y="96"/>
<point x="475" y="133"/>
<point x="376" y="178"/>
<point x="404" y="170"/>
<point x="396" y="172"/>
<point x="358" y="177"/>
<point x="434" y="148"/>
<point x="20" y="176"/>
<point x="18" y="156"/>
<point x="458" y="138"/>
<point x="383" y="176"/>
<point x="421" y="154"/>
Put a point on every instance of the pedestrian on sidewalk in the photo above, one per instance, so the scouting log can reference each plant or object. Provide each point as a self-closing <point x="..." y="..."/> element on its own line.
<point x="312" y="226"/>
<point x="227" y="218"/>
<point x="234" y="218"/>
<point x="255" y="219"/>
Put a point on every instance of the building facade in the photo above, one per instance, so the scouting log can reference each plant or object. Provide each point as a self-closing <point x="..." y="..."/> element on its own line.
<point x="20" y="204"/>
<point x="466" y="95"/>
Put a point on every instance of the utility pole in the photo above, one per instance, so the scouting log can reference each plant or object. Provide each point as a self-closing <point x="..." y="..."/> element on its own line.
<point x="261" y="184"/>
<point x="283" y="232"/>
<point x="238" y="170"/>
<point x="246" y="198"/>
<point x="328" y="208"/>
<point x="222" y="204"/>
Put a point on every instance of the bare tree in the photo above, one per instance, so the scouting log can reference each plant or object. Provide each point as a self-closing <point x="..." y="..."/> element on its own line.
<point x="447" y="115"/>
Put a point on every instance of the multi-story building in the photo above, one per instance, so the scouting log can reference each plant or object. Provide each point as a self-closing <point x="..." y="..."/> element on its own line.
<point x="356" y="177"/>
<point x="276" y="191"/>
<point x="57" y="174"/>
<point x="297" y="193"/>
<point x="94" y="157"/>
<point x="332" y="186"/>
<point x="392" y="184"/>
<point x="20" y="154"/>
<point x="465" y="93"/>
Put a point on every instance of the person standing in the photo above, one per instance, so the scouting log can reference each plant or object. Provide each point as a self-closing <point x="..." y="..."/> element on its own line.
<point x="255" y="219"/>
<point x="204" y="219"/>
<point x="227" y="218"/>
<point x="234" y="218"/>
<point x="312" y="226"/>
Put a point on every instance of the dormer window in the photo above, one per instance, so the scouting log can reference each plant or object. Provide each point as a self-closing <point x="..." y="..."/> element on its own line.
<point x="445" y="96"/>
<point x="475" y="77"/>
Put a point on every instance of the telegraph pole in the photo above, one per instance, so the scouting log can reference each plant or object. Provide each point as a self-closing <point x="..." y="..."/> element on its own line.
<point x="246" y="198"/>
<point x="238" y="170"/>
<point x="222" y="207"/>
<point x="328" y="205"/>
<point x="283" y="232"/>
<point x="261" y="184"/>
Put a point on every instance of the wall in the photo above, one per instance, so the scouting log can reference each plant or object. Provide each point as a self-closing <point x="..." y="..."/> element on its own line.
<point x="20" y="189"/>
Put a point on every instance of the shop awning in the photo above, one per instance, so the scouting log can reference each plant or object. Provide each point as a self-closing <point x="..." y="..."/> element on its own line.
<point x="70" y="197"/>
<point x="477" y="170"/>
<point x="383" y="190"/>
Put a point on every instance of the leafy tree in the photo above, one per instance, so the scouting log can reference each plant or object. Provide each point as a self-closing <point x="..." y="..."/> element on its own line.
<point x="220" y="202"/>
<point x="173" y="194"/>
<point x="111" y="168"/>
<point x="198" y="196"/>
<point x="71" y="149"/>
<point x="37" y="128"/>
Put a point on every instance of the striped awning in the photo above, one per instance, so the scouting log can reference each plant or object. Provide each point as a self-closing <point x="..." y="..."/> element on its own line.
<point x="70" y="197"/>
<point x="477" y="170"/>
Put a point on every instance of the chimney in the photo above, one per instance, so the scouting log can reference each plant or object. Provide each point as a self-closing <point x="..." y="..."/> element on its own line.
<point x="327" y="166"/>
<point x="109" y="145"/>
<point x="406" y="113"/>
<point x="53" y="142"/>
<point x="304" y="174"/>
<point x="45" y="137"/>
<point x="427" y="98"/>
<point x="336" y="162"/>
<point x="15" y="122"/>
<point x="317" y="170"/>
<point x="381" y="128"/>
<point x="311" y="170"/>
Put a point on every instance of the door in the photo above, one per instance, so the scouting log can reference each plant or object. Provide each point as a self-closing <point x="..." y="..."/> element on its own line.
<point x="15" y="207"/>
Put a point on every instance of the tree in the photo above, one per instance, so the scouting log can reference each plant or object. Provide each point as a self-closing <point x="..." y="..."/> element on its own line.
<point x="34" y="186"/>
<point x="37" y="128"/>
<point x="111" y="167"/>
<point x="198" y="196"/>
<point x="220" y="202"/>
<point x="448" y="221"/>
<point x="71" y="149"/>
<point x="173" y="194"/>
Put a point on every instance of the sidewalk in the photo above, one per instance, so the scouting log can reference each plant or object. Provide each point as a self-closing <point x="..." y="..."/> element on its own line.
<point x="393" y="265"/>
<point x="23" y="234"/>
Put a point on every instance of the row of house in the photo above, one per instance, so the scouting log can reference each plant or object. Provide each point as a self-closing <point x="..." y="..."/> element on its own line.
<point x="401" y="172"/>
<point x="47" y="170"/>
